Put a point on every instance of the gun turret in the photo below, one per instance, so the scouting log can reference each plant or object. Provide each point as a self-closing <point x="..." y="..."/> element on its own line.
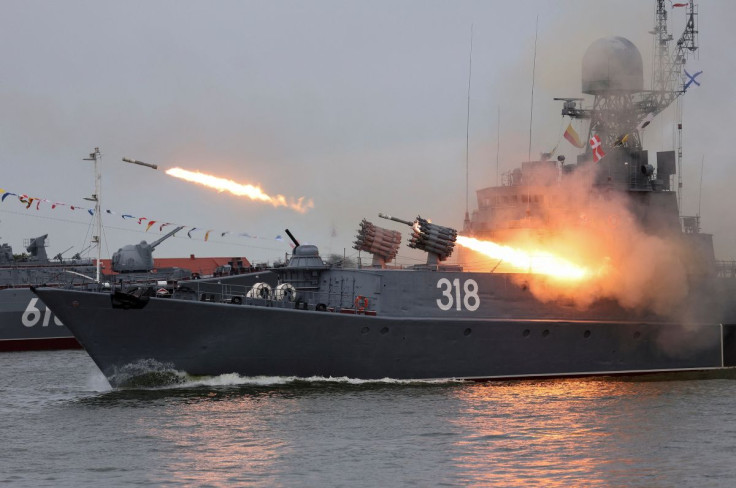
<point x="137" y="257"/>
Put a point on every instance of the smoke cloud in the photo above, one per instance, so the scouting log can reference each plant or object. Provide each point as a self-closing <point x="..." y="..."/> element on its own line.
<point x="602" y="231"/>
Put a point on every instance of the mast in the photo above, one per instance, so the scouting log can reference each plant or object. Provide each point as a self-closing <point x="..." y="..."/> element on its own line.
<point x="616" y="113"/>
<point x="96" y="239"/>
<point x="668" y="75"/>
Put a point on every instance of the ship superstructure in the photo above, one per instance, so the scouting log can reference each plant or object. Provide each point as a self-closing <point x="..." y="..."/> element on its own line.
<point x="613" y="166"/>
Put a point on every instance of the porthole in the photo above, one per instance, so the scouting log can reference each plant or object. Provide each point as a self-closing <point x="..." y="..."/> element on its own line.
<point x="545" y="332"/>
<point x="586" y="334"/>
<point x="467" y="332"/>
<point x="526" y="333"/>
<point x="637" y="334"/>
<point x="365" y="330"/>
<point x="384" y="330"/>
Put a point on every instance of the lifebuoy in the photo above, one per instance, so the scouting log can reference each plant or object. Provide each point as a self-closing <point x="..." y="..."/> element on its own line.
<point x="361" y="303"/>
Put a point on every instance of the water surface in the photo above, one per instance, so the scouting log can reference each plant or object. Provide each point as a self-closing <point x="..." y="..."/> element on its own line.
<point x="62" y="425"/>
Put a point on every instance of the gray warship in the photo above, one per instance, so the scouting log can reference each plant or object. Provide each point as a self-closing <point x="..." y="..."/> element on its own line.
<point x="673" y="311"/>
<point x="432" y="321"/>
<point x="26" y="323"/>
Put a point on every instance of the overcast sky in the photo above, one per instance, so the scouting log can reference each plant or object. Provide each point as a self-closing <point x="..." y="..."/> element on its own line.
<point x="360" y="106"/>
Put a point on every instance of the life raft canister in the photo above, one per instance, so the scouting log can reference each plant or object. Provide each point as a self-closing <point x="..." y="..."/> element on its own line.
<point x="361" y="303"/>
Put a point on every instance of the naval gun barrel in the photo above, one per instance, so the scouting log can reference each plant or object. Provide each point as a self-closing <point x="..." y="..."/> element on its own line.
<point x="291" y="236"/>
<point x="395" y="219"/>
<point x="162" y="239"/>
<point x="141" y="163"/>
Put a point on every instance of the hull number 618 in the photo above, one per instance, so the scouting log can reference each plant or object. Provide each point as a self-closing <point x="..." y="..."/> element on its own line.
<point x="32" y="315"/>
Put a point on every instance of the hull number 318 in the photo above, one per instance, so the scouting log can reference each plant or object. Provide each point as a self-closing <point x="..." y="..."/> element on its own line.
<point x="455" y="295"/>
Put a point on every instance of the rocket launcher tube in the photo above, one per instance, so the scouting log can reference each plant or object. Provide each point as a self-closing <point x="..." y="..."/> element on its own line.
<point x="140" y="163"/>
<point x="395" y="219"/>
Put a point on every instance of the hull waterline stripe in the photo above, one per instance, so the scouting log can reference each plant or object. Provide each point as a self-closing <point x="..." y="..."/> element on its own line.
<point x="582" y="373"/>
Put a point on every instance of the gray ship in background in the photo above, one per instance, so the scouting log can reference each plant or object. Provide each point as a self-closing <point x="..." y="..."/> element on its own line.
<point x="25" y="321"/>
<point x="566" y="270"/>
<point x="35" y="267"/>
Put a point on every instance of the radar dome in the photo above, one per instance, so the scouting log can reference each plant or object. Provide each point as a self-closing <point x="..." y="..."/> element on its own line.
<point x="612" y="65"/>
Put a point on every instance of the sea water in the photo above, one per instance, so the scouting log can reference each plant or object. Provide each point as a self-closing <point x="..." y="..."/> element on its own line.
<point x="62" y="425"/>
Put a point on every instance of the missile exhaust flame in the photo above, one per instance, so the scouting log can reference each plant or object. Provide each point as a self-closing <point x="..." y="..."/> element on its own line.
<point x="537" y="262"/>
<point x="253" y="192"/>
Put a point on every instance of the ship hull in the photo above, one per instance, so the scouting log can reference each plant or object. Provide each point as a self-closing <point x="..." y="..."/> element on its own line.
<point x="26" y="324"/>
<point x="213" y="339"/>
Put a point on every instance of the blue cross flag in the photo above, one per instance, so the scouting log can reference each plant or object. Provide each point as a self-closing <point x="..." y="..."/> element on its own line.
<point x="691" y="80"/>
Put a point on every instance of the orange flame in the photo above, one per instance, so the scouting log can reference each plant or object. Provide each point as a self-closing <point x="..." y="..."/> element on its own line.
<point x="238" y="189"/>
<point x="537" y="262"/>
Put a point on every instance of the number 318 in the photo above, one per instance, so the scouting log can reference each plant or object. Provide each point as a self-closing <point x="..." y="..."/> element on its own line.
<point x="452" y="292"/>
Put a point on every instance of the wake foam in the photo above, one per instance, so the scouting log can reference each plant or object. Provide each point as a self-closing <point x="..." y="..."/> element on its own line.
<point x="150" y="374"/>
<point x="146" y="373"/>
<point x="235" y="379"/>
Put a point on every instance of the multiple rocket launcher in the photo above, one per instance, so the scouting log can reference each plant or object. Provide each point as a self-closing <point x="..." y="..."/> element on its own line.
<point x="382" y="243"/>
<point x="434" y="239"/>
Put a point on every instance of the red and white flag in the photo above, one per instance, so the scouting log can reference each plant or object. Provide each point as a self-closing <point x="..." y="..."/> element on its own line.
<point x="595" y="145"/>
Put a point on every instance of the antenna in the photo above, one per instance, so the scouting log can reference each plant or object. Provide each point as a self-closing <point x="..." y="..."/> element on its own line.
<point x="498" y="140"/>
<point x="531" y="116"/>
<point x="678" y="115"/>
<point x="467" y="134"/>
<point x="700" y="191"/>
<point x="531" y="106"/>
